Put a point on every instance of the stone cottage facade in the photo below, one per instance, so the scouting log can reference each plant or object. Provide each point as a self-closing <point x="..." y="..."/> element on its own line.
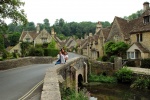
<point x="35" y="37"/>
<point x="140" y="36"/>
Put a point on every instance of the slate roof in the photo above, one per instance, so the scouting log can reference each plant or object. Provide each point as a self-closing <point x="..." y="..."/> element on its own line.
<point x="140" y="26"/>
<point x="106" y="32"/>
<point x="33" y="34"/>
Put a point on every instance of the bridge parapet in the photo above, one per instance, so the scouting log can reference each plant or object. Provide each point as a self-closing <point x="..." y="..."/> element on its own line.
<point x="63" y="72"/>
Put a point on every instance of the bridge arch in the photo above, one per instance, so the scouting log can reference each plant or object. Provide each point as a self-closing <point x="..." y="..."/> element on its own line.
<point x="80" y="82"/>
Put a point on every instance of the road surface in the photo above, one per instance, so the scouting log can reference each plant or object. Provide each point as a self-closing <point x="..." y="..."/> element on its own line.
<point x="14" y="83"/>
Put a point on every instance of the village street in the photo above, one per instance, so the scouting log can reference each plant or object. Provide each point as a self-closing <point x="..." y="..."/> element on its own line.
<point x="14" y="83"/>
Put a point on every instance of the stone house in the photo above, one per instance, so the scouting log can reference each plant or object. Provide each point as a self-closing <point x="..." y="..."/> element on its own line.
<point x="140" y="36"/>
<point x="71" y="43"/>
<point x="82" y="47"/>
<point x="103" y="34"/>
<point x="36" y="37"/>
<point x="95" y="45"/>
<point x="118" y="31"/>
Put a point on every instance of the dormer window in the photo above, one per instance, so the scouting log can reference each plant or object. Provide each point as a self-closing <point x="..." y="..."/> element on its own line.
<point x="146" y="19"/>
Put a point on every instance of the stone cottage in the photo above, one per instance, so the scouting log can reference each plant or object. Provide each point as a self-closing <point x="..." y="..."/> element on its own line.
<point x="140" y="36"/>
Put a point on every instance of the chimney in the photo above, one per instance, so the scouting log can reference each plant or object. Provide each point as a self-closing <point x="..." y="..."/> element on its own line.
<point x="37" y="28"/>
<point x="53" y="32"/>
<point x="90" y="34"/>
<point x="145" y="6"/>
<point x="98" y="26"/>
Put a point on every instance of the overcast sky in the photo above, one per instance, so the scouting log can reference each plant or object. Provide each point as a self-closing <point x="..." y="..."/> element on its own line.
<point x="80" y="10"/>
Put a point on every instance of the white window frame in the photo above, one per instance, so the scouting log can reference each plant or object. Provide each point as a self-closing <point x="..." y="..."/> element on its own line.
<point x="131" y="55"/>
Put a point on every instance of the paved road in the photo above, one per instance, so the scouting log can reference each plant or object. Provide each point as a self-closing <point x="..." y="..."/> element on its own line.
<point x="14" y="83"/>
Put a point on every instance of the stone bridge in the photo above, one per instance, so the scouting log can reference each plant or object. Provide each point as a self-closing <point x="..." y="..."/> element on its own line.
<point x="72" y="75"/>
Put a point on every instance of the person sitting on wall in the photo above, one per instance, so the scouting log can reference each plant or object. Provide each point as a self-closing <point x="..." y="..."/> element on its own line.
<point x="66" y="56"/>
<point x="61" y="59"/>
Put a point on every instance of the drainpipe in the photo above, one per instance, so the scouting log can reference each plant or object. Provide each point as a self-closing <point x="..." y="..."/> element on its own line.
<point x="85" y="72"/>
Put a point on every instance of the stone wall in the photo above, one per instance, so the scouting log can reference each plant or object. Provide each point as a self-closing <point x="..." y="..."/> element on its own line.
<point x="98" y="67"/>
<point x="56" y="75"/>
<point x="13" y="63"/>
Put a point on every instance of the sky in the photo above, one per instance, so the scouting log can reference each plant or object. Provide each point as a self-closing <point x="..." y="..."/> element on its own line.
<point x="80" y="10"/>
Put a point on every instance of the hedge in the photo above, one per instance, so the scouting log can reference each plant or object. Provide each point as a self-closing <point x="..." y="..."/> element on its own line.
<point x="145" y="63"/>
<point x="51" y="52"/>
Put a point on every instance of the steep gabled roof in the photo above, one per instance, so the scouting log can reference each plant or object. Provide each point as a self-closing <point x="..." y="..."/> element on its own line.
<point x="84" y="44"/>
<point x="140" y="26"/>
<point x="94" y="38"/>
<point x="122" y="24"/>
<point x="105" y="32"/>
<point x="33" y="34"/>
<point x="141" y="47"/>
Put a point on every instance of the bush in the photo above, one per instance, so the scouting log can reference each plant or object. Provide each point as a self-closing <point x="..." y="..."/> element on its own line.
<point x="51" y="52"/>
<point x="148" y="83"/>
<point x="104" y="58"/>
<point x="130" y="63"/>
<point x="99" y="59"/>
<point x="15" y="55"/>
<point x="111" y="59"/>
<point x="124" y="75"/>
<point x="101" y="78"/>
<point x="4" y="54"/>
<point x="70" y="94"/>
<point x="1" y="59"/>
<point x="36" y="52"/>
<point x="141" y="83"/>
<point x="145" y="63"/>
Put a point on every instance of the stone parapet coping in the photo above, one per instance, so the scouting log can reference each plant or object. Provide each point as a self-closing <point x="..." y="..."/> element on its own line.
<point x="51" y="90"/>
<point x="13" y="63"/>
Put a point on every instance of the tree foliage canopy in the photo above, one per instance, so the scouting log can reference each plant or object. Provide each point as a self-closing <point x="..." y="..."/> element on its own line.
<point x="116" y="48"/>
<point x="11" y="9"/>
<point x="14" y="38"/>
<point x="74" y="28"/>
<point x="134" y="15"/>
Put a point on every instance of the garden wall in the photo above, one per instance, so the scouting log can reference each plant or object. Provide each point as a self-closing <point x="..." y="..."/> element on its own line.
<point x="13" y="63"/>
<point x="98" y="67"/>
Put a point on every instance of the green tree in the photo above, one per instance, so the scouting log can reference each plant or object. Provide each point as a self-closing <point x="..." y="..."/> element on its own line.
<point x="41" y="26"/>
<point x="52" y="44"/>
<point x="105" y="24"/>
<point x="118" y="48"/>
<point x="11" y="27"/>
<point x="24" y="48"/>
<point x="14" y="38"/>
<point x="134" y="15"/>
<point x="1" y="43"/>
<point x="30" y="26"/>
<point x="11" y="9"/>
<point x="61" y="22"/>
<point x="61" y="36"/>
<point x="47" y="25"/>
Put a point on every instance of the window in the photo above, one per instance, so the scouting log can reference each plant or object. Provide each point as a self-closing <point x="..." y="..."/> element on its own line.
<point x="146" y="19"/>
<point x="131" y="55"/>
<point x="139" y="37"/>
<point x="116" y="38"/>
<point x="15" y="51"/>
<point x="27" y="39"/>
<point x="44" y="40"/>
